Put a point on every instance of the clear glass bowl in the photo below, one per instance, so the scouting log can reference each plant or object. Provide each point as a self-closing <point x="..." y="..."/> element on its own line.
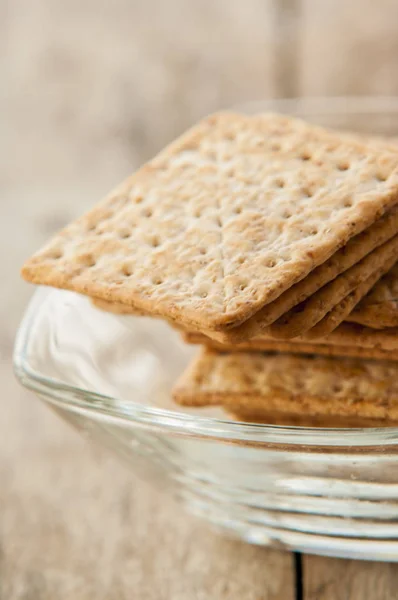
<point x="327" y="491"/>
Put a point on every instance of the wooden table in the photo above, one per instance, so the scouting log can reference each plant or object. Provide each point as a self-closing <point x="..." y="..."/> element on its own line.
<point x="90" y="90"/>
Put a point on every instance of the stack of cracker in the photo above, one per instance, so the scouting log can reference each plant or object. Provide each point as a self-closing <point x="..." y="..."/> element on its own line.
<point x="272" y="243"/>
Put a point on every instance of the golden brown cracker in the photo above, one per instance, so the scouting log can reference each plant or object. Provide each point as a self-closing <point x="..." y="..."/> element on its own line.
<point x="307" y="314"/>
<point x="292" y="347"/>
<point x="223" y="221"/>
<point x="379" y="309"/>
<point x="355" y="250"/>
<point x="291" y="384"/>
<point x="343" y="309"/>
<point x="117" y="309"/>
<point x="307" y="420"/>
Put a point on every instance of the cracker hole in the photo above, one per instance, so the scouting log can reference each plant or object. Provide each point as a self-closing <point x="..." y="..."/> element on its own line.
<point x="229" y="137"/>
<point x="380" y="177"/>
<point x="276" y="147"/>
<point x="155" y="241"/>
<point x="197" y="213"/>
<point x="124" y="234"/>
<point x="92" y="227"/>
<point x="280" y="183"/>
<point x="218" y="222"/>
<point x="241" y="260"/>
<point x="305" y="156"/>
<point x="307" y="193"/>
<point x="202" y="250"/>
<point x="242" y="286"/>
<point x="55" y="254"/>
<point x="127" y="270"/>
<point x="238" y="210"/>
<point x="87" y="259"/>
<point x="286" y="214"/>
<point x="348" y="203"/>
<point x="270" y="262"/>
<point x="138" y="199"/>
<point x="343" y="166"/>
<point x="157" y="280"/>
<point x="314" y="231"/>
<point x="147" y="212"/>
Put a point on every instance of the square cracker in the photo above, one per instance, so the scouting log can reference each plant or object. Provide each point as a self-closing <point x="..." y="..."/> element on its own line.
<point x="379" y="309"/>
<point x="223" y="221"/>
<point x="283" y="383"/>
<point x="353" y="283"/>
<point x="292" y="347"/>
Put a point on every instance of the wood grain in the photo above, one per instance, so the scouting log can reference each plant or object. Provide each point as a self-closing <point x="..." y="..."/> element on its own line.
<point x="75" y="524"/>
<point x="334" y="579"/>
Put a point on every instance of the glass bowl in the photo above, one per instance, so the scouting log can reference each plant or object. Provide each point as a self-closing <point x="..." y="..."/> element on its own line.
<point x="326" y="491"/>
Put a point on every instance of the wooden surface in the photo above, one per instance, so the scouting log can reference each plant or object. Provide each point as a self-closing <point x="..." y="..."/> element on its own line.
<point x="334" y="579"/>
<point x="91" y="89"/>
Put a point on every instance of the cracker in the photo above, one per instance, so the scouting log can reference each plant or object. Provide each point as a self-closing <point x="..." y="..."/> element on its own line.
<point x="306" y="420"/>
<point x="346" y="334"/>
<point x="223" y="221"/>
<point x="379" y="309"/>
<point x="342" y="310"/>
<point x="283" y="383"/>
<point x="353" y="334"/>
<point x="292" y="347"/>
<point x="307" y="314"/>
<point x="117" y="309"/>
<point x="355" y="250"/>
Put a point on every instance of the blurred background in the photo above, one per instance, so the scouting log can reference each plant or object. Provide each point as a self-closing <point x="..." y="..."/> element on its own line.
<point x="91" y="89"/>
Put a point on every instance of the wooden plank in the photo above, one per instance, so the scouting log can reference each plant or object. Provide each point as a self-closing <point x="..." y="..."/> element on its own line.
<point x="75" y="524"/>
<point x="348" y="47"/>
<point x="335" y="579"/>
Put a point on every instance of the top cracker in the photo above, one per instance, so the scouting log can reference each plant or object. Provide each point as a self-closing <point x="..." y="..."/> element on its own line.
<point x="223" y="220"/>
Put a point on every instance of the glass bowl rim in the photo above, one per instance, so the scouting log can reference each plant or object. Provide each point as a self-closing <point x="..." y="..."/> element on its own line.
<point x="129" y="413"/>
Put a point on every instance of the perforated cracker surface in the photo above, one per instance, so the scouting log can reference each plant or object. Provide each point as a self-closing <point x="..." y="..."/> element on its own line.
<point x="223" y="221"/>
<point x="354" y="251"/>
